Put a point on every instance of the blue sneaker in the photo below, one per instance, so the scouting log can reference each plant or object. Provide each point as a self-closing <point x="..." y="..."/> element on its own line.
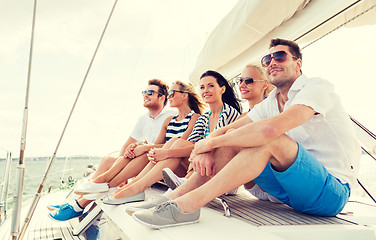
<point x="65" y="213"/>
<point x="56" y="207"/>
<point x="92" y="233"/>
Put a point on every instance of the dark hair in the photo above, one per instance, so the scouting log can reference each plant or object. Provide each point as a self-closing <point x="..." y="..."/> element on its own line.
<point x="194" y="101"/>
<point x="293" y="47"/>
<point x="228" y="96"/>
<point x="163" y="88"/>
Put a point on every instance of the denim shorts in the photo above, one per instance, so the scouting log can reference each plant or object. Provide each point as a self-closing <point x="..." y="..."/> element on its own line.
<point x="305" y="186"/>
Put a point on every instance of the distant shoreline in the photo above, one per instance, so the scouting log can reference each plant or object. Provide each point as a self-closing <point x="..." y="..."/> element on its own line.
<point x="47" y="158"/>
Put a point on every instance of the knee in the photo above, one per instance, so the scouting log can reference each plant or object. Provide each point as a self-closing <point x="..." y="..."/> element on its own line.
<point x="170" y="142"/>
<point x="180" y="143"/>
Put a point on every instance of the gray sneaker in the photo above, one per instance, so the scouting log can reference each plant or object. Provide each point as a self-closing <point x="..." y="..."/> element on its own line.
<point x="165" y="215"/>
<point x="150" y="203"/>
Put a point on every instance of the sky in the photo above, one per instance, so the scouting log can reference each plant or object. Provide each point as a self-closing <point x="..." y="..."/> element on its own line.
<point x="145" y="39"/>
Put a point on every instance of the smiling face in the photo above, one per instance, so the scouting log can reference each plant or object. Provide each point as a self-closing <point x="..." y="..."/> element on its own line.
<point x="210" y="90"/>
<point x="155" y="100"/>
<point x="254" y="90"/>
<point x="283" y="74"/>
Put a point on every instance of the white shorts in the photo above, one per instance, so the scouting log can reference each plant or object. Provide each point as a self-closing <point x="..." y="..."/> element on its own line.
<point x="260" y="194"/>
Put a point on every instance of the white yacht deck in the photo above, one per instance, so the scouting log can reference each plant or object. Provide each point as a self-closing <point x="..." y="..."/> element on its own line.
<point x="256" y="219"/>
<point x="251" y="218"/>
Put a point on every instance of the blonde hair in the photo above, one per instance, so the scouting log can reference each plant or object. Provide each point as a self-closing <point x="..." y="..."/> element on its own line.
<point x="262" y="75"/>
<point x="194" y="100"/>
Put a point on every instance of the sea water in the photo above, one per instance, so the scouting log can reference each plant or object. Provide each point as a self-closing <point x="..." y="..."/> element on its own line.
<point x="63" y="168"/>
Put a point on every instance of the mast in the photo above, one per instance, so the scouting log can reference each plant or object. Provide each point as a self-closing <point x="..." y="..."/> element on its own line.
<point x="17" y="199"/>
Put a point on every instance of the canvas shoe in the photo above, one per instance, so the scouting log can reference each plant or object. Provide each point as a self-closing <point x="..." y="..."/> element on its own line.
<point x="150" y="203"/>
<point x="165" y="215"/>
<point x="65" y="213"/>
<point x="95" y="196"/>
<point x="171" y="179"/>
<point x="56" y="207"/>
<point x="117" y="201"/>
<point x="91" y="187"/>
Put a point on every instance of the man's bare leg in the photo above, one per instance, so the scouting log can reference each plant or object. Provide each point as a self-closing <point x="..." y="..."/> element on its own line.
<point x="106" y="176"/>
<point x="105" y="164"/>
<point x="280" y="152"/>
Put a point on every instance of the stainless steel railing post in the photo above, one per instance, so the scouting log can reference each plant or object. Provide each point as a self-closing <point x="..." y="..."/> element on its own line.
<point x="5" y="187"/>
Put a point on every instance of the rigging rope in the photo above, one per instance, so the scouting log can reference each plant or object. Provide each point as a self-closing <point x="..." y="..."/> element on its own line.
<point x="338" y="27"/>
<point x="37" y="195"/>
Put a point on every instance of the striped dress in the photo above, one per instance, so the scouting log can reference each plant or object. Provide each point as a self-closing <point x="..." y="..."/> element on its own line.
<point x="228" y="115"/>
<point x="177" y="128"/>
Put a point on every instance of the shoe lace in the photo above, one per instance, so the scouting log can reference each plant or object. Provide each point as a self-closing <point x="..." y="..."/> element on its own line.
<point x="163" y="207"/>
<point x="65" y="207"/>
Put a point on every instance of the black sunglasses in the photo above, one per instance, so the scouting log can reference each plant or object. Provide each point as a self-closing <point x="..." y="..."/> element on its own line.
<point x="279" y="56"/>
<point x="150" y="92"/>
<point x="247" y="80"/>
<point x="171" y="93"/>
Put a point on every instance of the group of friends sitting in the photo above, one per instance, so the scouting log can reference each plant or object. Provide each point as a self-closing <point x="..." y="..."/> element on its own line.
<point x="294" y="144"/>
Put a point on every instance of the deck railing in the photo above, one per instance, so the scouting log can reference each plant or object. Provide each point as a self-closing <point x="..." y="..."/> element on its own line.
<point x="4" y="187"/>
<point x="7" y="193"/>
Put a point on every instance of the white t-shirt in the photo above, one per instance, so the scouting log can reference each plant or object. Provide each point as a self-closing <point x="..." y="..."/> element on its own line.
<point x="148" y="128"/>
<point x="329" y="135"/>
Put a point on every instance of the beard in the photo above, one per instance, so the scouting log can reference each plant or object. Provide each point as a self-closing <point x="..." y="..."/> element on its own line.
<point x="151" y="105"/>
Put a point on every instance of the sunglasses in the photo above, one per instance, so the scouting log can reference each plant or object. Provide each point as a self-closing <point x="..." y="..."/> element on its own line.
<point x="171" y="93"/>
<point x="279" y="56"/>
<point x="247" y="80"/>
<point x="150" y="92"/>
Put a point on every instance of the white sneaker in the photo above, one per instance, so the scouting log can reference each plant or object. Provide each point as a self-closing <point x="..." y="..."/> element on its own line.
<point x="95" y="196"/>
<point x="91" y="187"/>
<point x="171" y="179"/>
